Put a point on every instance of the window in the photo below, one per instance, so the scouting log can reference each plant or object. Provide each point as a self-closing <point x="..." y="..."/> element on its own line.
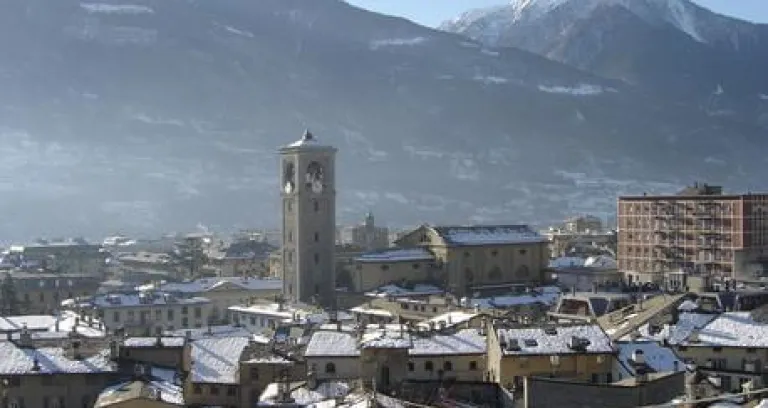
<point x="473" y="365"/>
<point x="522" y="251"/>
<point x="751" y="350"/>
<point x="316" y="204"/>
<point x="717" y="349"/>
<point x="468" y="275"/>
<point x="317" y="258"/>
<point x="447" y="366"/>
<point x="416" y="266"/>
<point x="384" y="267"/>
<point x="198" y="313"/>
<point x="495" y="274"/>
<point x="170" y="314"/>
<point x="290" y="236"/>
<point x="523" y="271"/>
<point x="254" y="373"/>
<point x="26" y="297"/>
<point x="467" y="254"/>
<point x="231" y="391"/>
<point x="197" y="389"/>
<point x="42" y="297"/>
<point x="330" y="368"/>
<point x="184" y="310"/>
<point x="184" y="322"/>
<point x="595" y="378"/>
<point x="411" y="366"/>
<point x="317" y="237"/>
<point x="116" y="316"/>
<point x="428" y="366"/>
<point x="214" y="390"/>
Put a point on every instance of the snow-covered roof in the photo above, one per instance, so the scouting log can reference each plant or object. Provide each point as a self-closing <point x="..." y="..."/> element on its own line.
<point x="463" y="342"/>
<point x="489" y="235"/>
<point x="567" y="262"/>
<point x="307" y="141"/>
<point x="216" y="360"/>
<point x="208" y="284"/>
<point x="139" y="342"/>
<point x="31" y="322"/>
<point x="534" y="340"/>
<point x="397" y="255"/>
<point x="332" y="344"/>
<point x="678" y="332"/>
<point x="216" y="331"/>
<point x="394" y="290"/>
<point x="732" y="329"/>
<point x="450" y="319"/>
<point x="153" y="390"/>
<point x="50" y="360"/>
<point x="304" y="396"/>
<point x="546" y="295"/>
<point x="601" y="262"/>
<point x="391" y="336"/>
<point x="370" y="311"/>
<point x="658" y="357"/>
<point x="143" y="299"/>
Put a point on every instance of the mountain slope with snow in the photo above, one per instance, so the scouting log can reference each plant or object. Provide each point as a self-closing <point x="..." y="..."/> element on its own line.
<point x="144" y="116"/>
<point x="672" y="47"/>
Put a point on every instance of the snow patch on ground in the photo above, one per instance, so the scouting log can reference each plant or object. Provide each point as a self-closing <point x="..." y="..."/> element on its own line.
<point x="491" y="80"/>
<point x="579" y="90"/>
<point x="395" y="42"/>
<point x="116" y="8"/>
<point x="239" y="32"/>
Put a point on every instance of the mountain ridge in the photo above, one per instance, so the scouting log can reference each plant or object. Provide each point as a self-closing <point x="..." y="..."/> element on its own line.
<point x="124" y="119"/>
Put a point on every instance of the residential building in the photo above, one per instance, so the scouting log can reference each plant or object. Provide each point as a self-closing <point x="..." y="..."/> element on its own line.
<point x="394" y="353"/>
<point x="222" y="292"/>
<point x="583" y="223"/>
<point x="160" y="351"/>
<point x="581" y="352"/>
<point x="732" y="347"/>
<point x="41" y="293"/>
<point x="472" y="257"/>
<point x="244" y="257"/>
<point x="147" y="313"/>
<point x="233" y="371"/>
<point x="308" y="188"/>
<point x="71" y="376"/>
<point x="51" y="330"/>
<point x="700" y="231"/>
<point x="74" y="256"/>
<point x="145" y="263"/>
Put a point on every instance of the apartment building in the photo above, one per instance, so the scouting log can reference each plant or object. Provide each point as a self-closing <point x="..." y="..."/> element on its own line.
<point x="222" y="292"/>
<point x="70" y="376"/>
<point x="147" y="313"/>
<point x="241" y="258"/>
<point x="41" y="293"/>
<point x="731" y="347"/>
<point x="581" y="352"/>
<point x="394" y="353"/>
<point x="700" y="231"/>
<point x="73" y="256"/>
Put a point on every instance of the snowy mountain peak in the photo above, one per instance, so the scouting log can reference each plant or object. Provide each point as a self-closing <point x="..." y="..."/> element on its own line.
<point x="681" y="14"/>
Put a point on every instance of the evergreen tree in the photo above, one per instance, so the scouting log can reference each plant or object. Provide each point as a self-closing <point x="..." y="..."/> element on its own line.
<point x="9" y="303"/>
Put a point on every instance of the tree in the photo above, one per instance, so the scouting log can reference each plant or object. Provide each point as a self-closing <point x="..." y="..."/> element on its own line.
<point x="9" y="303"/>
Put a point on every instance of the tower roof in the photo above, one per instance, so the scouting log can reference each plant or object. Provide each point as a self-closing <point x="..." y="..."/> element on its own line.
<point x="307" y="140"/>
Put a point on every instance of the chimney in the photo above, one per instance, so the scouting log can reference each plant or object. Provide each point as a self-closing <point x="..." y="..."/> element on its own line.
<point x="35" y="365"/>
<point x="159" y="341"/>
<point x="114" y="350"/>
<point x="338" y="325"/>
<point x="187" y="336"/>
<point x="56" y="325"/>
<point x="573" y="290"/>
<point x="76" y="354"/>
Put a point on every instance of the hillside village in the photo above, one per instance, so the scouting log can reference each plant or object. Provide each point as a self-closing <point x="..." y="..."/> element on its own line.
<point x="668" y="309"/>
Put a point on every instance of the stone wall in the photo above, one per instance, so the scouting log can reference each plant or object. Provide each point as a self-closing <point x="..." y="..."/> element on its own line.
<point x="551" y="393"/>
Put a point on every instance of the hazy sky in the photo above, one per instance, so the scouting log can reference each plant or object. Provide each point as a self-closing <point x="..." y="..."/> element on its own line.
<point x="433" y="12"/>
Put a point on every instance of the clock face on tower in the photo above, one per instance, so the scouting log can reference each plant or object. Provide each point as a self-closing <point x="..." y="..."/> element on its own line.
<point x="315" y="177"/>
<point x="289" y="177"/>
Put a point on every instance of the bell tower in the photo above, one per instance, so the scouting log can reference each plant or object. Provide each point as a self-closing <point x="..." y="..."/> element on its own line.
<point x="308" y="194"/>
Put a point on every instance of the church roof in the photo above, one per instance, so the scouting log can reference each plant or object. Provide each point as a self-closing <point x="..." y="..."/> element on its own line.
<point x="308" y="140"/>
